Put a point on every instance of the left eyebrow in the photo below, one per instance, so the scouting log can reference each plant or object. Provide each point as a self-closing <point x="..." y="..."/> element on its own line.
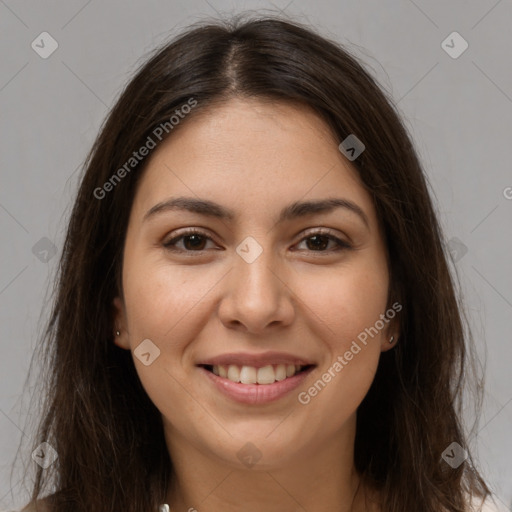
<point x="292" y="211"/>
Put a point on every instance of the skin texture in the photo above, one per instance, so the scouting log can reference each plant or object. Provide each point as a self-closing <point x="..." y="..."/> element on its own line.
<point x="255" y="157"/>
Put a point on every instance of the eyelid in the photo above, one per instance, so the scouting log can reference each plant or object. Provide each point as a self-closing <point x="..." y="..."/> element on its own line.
<point x="187" y="232"/>
<point x="323" y="231"/>
<point x="341" y="244"/>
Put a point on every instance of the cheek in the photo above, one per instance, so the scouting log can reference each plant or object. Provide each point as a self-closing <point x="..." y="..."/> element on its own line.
<point x="348" y="301"/>
<point x="348" y="308"/>
<point x="162" y="303"/>
<point x="161" y="299"/>
<point x="168" y="305"/>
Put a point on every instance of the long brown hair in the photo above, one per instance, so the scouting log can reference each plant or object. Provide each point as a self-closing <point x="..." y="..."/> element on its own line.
<point x="106" y="431"/>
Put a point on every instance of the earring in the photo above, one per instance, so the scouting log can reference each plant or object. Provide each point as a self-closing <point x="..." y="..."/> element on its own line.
<point x="391" y="339"/>
<point x="118" y="333"/>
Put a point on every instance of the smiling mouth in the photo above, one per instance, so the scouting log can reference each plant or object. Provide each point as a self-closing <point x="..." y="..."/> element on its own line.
<point x="250" y="375"/>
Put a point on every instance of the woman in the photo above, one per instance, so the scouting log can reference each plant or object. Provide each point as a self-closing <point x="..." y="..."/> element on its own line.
<point x="254" y="307"/>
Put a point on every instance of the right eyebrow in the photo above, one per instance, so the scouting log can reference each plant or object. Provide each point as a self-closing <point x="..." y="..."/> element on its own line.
<point x="292" y="211"/>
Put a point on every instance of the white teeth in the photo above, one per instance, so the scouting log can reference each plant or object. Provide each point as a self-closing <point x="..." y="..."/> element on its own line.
<point x="280" y="372"/>
<point x="266" y="375"/>
<point x="233" y="373"/>
<point x="251" y="375"/>
<point x="248" y="375"/>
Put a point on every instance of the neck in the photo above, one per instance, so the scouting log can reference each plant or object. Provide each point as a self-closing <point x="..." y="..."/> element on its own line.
<point x="322" y="479"/>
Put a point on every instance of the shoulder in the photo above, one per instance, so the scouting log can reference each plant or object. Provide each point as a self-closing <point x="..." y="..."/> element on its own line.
<point x="490" y="505"/>
<point x="40" y="506"/>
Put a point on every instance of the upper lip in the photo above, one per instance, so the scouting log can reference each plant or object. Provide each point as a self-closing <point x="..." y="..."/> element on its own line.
<point x="255" y="360"/>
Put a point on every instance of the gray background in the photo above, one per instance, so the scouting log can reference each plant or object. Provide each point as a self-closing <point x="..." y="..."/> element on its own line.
<point x="459" y="111"/>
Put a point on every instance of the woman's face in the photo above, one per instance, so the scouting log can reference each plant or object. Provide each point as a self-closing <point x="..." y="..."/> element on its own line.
<point x="259" y="290"/>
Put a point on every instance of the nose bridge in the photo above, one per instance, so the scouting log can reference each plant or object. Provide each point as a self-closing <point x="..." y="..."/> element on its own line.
<point x="255" y="271"/>
<point x="256" y="295"/>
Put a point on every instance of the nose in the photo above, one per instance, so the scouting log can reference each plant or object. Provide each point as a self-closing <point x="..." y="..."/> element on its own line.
<point x="256" y="295"/>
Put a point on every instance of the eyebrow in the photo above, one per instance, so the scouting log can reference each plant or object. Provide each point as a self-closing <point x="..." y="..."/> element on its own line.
<point x="294" y="210"/>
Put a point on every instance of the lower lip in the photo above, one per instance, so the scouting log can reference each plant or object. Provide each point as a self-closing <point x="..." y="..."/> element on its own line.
<point x="255" y="394"/>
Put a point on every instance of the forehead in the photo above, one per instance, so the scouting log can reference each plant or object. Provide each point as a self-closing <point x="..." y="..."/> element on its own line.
<point x="249" y="151"/>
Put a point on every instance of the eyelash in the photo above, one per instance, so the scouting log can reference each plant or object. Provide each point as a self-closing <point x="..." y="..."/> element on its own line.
<point x="342" y="245"/>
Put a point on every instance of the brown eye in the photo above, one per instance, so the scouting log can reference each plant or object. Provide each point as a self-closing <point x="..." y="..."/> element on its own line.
<point x="193" y="241"/>
<point x="318" y="241"/>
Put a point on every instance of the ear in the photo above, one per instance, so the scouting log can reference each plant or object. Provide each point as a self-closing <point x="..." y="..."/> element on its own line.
<point x="392" y="329"/>
<point x="120" y="324"/>
<point x="386" y="345"/>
